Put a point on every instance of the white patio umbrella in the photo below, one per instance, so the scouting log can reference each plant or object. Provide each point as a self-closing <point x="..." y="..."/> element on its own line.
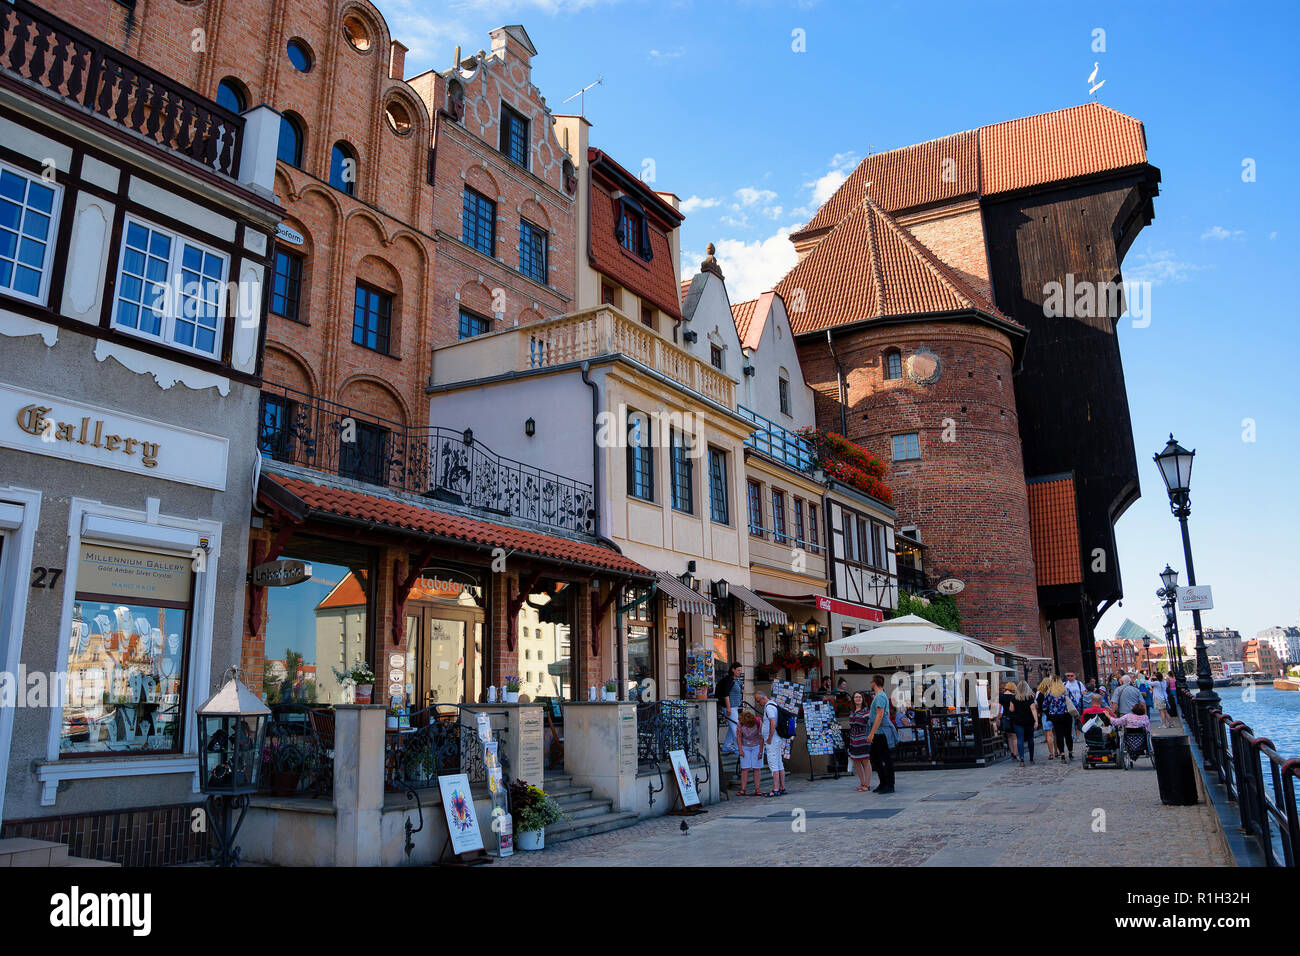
<point x="912" y="641"/>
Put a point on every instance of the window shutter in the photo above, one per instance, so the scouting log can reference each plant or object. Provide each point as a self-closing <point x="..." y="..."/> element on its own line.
<point x="644" y="241"/>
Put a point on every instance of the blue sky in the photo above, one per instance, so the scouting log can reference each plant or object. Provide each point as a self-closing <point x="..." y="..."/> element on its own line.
<point x="751" y="134"/>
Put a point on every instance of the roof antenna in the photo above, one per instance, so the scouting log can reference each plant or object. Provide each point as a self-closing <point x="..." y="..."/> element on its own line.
<point x="866" y="192"/>
<point x="582" y="103"/>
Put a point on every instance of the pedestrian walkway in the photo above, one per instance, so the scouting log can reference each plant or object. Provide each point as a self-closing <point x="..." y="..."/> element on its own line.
<point x="1045" y="814"/>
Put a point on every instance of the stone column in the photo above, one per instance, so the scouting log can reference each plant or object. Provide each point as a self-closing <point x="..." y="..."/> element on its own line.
<point x="358" y="783"/>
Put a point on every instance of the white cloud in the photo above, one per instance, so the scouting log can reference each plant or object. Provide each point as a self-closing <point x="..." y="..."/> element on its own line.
<point x="751" y="268"/>
<point x="698" y="202"/>
<point x="824" y="186"/>
<point x="1273" y="234"/>
<point x="748" y="195"/>
<point x="672" y="54"/>
<point x="1219" y="233"/>
<point x="1158" y="266"/>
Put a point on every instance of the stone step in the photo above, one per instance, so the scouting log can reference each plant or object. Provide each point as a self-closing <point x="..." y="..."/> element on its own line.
<point x="570" y="795"/>
<point x="22" y="851"/>
<point x="589" y="826"/>
<point x="557" y="782"/>
<point x="83" y="861"/>
<point x="580" y="809"/>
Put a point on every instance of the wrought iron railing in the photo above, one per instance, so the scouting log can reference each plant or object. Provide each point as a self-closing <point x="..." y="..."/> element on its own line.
<point x="298" y="754"/>
<point x="663" y="726"/>
<point x="442" y="739"/>
<point x="45" y="50"/>
<point x="778" y="442"/>
<point x="1260" y="780"/>
<point x="452" y="466"/>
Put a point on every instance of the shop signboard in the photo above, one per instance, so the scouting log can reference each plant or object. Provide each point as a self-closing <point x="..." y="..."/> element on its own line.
<point x="685" y="779"/>
<point x="128" y="574"/>
<point x="281" y="573"/>
<point x="458" y="807"/>
<point x="1195" y="598"/>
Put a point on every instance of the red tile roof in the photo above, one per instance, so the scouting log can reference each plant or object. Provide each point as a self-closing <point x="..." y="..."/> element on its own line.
<point x="655" y="280"/>
<point x="869" y="267"/>
<point x="410" y="517"/>
<point x="1031" y="151"/>
<point x="1054" y="532"/>
<point x="686" y="287"/>
<point x="743" y="314"/>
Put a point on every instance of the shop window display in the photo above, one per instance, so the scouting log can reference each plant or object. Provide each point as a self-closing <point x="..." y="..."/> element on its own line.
<point x="127" y="653"/>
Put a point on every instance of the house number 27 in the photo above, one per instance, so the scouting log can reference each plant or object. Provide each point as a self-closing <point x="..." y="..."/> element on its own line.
<point x="45" y="577"/>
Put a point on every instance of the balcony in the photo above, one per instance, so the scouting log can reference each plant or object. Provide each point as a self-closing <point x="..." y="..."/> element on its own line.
<point x="778" y="442"/>
<point x="46" y="51"/>
<point x="573" y="338"/>
<point x="437" y="463"/>
<point x="912" y="580"/>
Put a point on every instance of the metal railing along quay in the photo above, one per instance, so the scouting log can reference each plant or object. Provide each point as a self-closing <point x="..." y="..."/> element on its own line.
<point x="1256" y="777"/>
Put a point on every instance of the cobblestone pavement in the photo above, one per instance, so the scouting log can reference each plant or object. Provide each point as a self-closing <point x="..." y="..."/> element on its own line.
<point x="1045" y="814"/>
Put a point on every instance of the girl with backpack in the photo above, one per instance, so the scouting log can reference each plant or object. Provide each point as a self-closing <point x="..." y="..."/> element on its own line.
<point x="860" y="740"/>
<point x="1057" y="706"/>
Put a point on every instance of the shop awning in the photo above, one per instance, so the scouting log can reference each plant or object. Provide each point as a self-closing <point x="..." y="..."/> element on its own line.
<point x="308" y="499"/>
<point x="862" y="612"/>
<point x="689" y="600"/>
<point x="762" y="610"/>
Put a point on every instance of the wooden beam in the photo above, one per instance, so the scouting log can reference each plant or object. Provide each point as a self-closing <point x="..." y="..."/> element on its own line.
<point x="513" y="605"/>
<point x="402" y="589"/>
<point x="287" y="528"/>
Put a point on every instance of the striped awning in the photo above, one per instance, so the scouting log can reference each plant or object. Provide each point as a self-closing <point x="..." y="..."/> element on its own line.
<point x="762" y="610"/>
<point x="689" y="601"/>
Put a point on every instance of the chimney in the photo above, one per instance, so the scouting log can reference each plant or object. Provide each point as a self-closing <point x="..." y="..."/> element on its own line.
<point x="674" y="236"/>
<point x="396" y="60"/>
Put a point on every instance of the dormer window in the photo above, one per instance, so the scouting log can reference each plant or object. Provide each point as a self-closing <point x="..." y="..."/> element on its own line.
<point x="632" y="232"/>
<point x="514" y="136"/>
<point x="715" y="356"/>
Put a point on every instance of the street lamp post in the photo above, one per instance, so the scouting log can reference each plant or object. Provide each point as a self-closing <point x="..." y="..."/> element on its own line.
<point x="1175" y="464"/>
<point x="1168" y="593"/>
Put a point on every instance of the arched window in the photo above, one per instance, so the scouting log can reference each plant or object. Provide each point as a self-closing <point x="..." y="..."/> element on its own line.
<point x="343" y="168"/>
<point x="300" y="55"/>
<point x="356" y="33"/>
<point x="291" y="137"/>
<point x="231" y="95"/>
<point x="893" y="364"/>
<point x="398" y="117"/>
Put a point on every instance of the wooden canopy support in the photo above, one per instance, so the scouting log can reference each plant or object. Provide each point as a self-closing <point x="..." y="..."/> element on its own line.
<point x="599" y="608"/>
<point x="514" y="603"/>
<point x="402" y="588"/>
<point x="287" y="527"/>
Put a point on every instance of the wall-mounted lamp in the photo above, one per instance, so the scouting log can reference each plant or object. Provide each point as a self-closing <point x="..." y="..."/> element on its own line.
<point x="688" y="577"/>
<point x="690" y="337"/>
<point x="468" y="436"/>
<point x="530" y="427"/>
<point x="748" y="370"/>
<point x="721" y="590"/>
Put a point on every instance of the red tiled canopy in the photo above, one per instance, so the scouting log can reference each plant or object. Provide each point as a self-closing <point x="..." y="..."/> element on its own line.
<point x="1054" y="531"/>
<point x="396" y="514"/>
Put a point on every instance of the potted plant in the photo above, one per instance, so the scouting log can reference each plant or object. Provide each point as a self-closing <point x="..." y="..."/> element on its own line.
<point x="512" y="689"/>
<point x="533" y="810"/>
<point x="611" y="690"/>
<point x="699" y="686"/>
<point x="361" y="678"/>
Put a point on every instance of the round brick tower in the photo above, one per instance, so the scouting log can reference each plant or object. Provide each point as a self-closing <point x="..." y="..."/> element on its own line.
<point x="948" y="382"/>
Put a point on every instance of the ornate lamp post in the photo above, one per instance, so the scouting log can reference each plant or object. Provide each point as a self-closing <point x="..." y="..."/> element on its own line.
<point x="232" y="726"/>
<point x="1168" y="593"/>
<point x="1175" y="464"/>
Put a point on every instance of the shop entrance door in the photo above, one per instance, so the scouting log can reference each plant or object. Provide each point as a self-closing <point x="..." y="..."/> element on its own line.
<point x="444" y="665"/>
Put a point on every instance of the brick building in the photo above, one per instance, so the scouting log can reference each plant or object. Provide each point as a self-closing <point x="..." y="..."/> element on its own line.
<point x="916" y="284"/>
<point x="1261" y="658"/>
<point x="504" y="193"/>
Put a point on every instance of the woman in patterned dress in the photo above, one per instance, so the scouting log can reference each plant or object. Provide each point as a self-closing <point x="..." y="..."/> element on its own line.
<point x="860" y="740"/>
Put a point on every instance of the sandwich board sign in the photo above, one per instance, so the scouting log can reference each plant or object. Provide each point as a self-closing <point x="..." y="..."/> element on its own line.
<point x="458" y="806"/>
<point x="1195" y="598"/>
<point x="685" y="779"/>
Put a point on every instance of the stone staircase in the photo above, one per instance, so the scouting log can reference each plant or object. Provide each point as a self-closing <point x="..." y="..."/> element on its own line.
<point x="21" y="851"/>
<point x="587" y="813"/>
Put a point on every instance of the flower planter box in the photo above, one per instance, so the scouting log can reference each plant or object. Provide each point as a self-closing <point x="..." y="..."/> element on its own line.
<point x="530" y="840"/>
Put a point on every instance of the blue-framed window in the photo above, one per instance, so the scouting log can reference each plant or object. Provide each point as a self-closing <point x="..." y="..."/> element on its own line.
<point x="906" y="447"/>
<point x="28" y="209"/>
<point x="514" y="136"/>
<point x="479" y="222"/>
<point x="286" y="292"/>
<point x="372" y="318"/>
<point x="640" y="457"/>
<point x="719" y="506"/>
<point x="532" y="251"/>
<point x="472" y="325"/>
<point x="683" y="474"/>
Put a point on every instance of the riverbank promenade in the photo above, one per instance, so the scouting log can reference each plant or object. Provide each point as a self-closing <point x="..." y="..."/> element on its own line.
<point x="1045" y="814"/>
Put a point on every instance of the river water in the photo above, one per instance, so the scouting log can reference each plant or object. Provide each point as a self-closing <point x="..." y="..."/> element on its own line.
<point x="1274" y="714"/>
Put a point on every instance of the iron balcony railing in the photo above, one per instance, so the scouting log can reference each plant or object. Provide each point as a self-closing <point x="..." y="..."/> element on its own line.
<point x="440" y="463"/>
<point x="442" y="740"/>
<point x="1260" y="780"/>
<point x="663" y="726"/>
<point x="48" y="52"/>
<point x="778" y="442"/>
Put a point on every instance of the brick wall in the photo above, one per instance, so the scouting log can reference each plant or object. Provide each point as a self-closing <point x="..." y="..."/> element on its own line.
<point x="967" y="496"/>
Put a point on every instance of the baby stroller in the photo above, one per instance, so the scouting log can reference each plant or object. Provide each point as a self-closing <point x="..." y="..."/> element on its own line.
<point x="1102" y="746"/>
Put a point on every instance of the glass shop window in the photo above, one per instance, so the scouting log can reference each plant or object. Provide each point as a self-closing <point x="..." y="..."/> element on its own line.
<point x="127" y="653"/>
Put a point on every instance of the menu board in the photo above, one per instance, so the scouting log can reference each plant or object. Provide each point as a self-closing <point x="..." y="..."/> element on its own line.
<point x="458" y="806"/>
<point x="685" y="779"/>
<point x="821" y="728"/>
